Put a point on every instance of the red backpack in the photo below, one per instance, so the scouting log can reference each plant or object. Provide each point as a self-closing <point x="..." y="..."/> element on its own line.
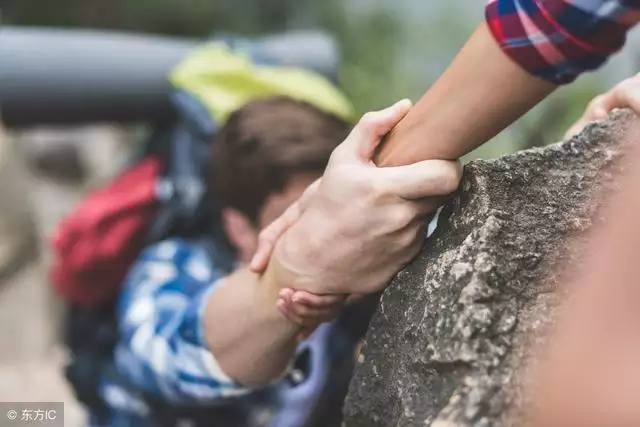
<point x="161" y="195"/>
<point x="97" y="243"/>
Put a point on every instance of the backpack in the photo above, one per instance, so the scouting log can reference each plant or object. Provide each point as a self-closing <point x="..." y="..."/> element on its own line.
<point x="162" y="194"/>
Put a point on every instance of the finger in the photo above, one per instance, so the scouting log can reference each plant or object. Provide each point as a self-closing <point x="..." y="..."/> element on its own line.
<point x="287" y="294"/>
<point x="317" y="301"/>
<point x="305" y="316"/>
<point x="312" y="314"/>
<point x="422" y="179"/>
<point x="625" y="95"/>
<point x="596" y="110"/>
<point x="285" y="310"/>
<point x="599" y="112"/>
<point x="307" y="195"/>
<point x="270" y="235"/>
<point x="373" y="126"/>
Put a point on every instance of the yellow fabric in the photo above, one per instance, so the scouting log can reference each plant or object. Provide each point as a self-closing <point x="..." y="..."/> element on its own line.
<point x="225" y="81"/>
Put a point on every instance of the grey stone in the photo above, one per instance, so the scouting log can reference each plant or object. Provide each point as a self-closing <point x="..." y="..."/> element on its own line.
<point x="452" y="339"/>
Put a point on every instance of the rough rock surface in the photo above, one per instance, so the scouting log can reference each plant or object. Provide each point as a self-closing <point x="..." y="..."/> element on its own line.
<point x="452" y="335"/>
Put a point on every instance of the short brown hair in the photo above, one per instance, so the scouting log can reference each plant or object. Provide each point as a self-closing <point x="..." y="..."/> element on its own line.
<point x="264" y="145"/>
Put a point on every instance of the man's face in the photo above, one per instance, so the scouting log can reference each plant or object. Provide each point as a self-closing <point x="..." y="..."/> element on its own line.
<point x="244" y="234"/>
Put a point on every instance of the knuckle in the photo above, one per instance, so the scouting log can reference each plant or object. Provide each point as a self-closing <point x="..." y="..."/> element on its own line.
<point x="597" y="100"/>
<point x="410" y="238"/>
<point x="412" y="243"/>
<point x="363" y="182"/>
<point x="618" y="97"/>
<point x="312" y="300"/>
<point x="451" y="179"/>
<point x="403" y="215"/>
<point x="448" y="178"/>
<point x="379" y="188"/>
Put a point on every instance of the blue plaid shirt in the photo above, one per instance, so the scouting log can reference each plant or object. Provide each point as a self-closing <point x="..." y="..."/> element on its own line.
<point x="162" y="352"/>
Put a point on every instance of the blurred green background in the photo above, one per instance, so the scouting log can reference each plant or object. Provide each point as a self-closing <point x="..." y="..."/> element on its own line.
<point x="390" y="49"/>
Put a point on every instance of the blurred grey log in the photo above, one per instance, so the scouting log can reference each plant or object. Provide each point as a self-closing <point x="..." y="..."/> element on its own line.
<point x="52" y="76"/>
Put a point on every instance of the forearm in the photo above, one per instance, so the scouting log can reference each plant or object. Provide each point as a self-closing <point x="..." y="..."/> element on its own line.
<point x="481" y="93"/>
<point x="251" y="341"/>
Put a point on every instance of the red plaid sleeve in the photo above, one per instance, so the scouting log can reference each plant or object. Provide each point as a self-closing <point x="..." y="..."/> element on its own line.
<point x="558" y="40"/>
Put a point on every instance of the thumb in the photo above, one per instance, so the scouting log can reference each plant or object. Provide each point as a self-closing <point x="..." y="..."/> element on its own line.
<point x="373" y="126"/>
<point x="270" y="235"/>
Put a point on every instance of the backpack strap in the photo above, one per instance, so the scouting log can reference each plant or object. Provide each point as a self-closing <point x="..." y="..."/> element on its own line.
<point x="186" y="206"/>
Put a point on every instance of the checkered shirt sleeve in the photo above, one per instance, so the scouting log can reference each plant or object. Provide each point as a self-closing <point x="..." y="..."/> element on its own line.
<point x="162" y="350"/>
<point x="557" y="40"/>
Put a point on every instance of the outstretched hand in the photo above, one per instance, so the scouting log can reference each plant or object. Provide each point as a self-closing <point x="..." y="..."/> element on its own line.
<point x="625" y="94"/>
<point x="358" y="225"/>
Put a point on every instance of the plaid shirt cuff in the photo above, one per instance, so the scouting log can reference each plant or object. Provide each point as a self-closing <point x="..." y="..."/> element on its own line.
<point x="557" y="40"/>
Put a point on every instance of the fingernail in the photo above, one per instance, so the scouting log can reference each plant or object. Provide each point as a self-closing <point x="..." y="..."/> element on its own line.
<point x="403" y="101"/>
<point x="287" y="292"/>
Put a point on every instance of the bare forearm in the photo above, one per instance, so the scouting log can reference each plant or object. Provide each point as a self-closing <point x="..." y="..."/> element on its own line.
<point x="251" y="340"/>
<point x="481" y="93"/>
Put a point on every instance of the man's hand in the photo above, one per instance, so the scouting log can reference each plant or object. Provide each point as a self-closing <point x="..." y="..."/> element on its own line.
<point x="625" y="94"/>
<point x="360" y="224"/>
<point x="309" y="310"/>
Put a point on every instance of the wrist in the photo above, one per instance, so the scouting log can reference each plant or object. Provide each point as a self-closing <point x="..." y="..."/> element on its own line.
<point x="297" y="262"/>
<point x="269" y="287"/>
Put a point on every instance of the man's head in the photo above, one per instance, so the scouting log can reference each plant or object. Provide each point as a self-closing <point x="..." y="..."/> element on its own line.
<point x="264" y="157"/>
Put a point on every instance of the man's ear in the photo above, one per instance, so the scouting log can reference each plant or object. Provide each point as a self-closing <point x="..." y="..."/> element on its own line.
<point x="241" y="232"/>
